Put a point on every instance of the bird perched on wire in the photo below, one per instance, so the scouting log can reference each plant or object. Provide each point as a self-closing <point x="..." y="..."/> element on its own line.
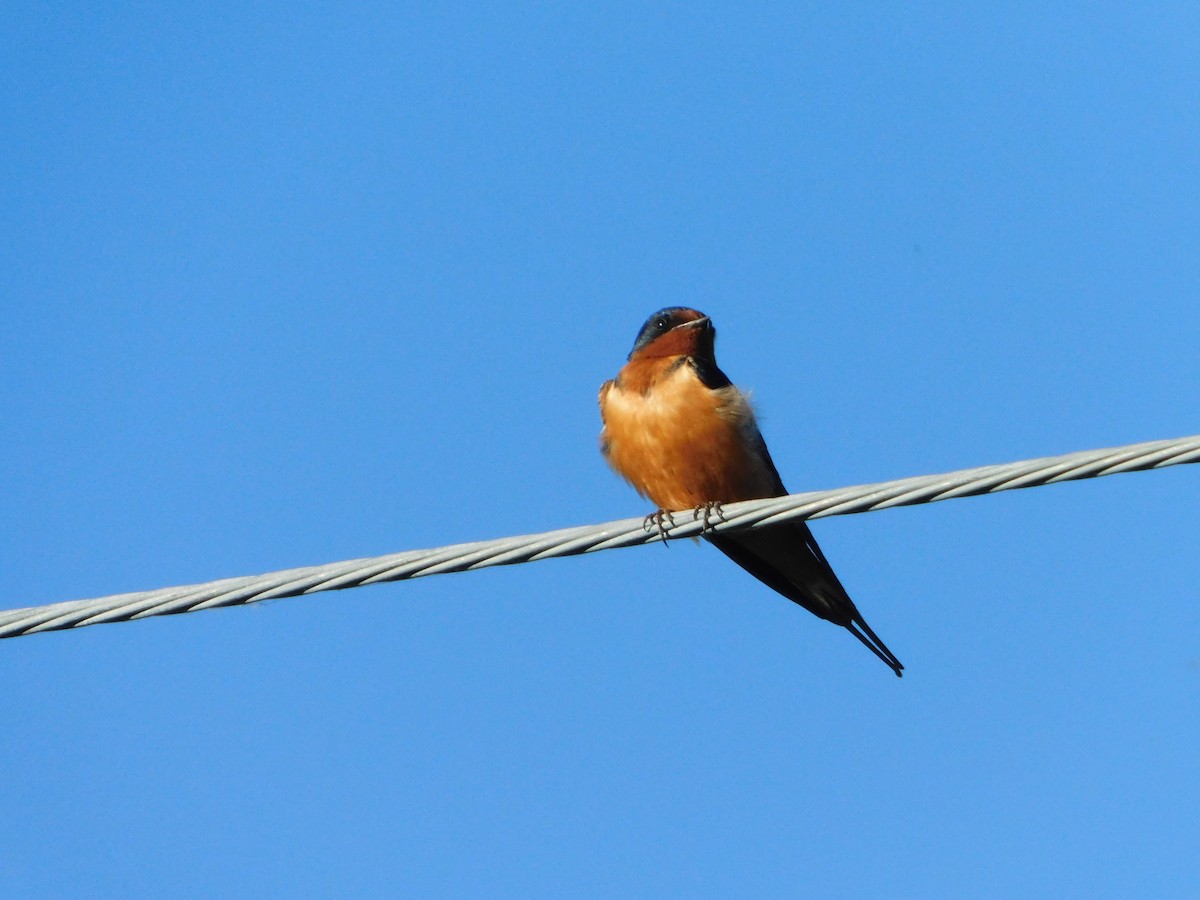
<point x="685" y="437"/>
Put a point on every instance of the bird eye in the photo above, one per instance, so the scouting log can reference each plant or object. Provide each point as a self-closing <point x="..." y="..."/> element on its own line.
<point x="660" y="324"/>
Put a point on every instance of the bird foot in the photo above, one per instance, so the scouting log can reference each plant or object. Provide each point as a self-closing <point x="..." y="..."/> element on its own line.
<point x="708" y="512"/>
<point x="661" y="521"/>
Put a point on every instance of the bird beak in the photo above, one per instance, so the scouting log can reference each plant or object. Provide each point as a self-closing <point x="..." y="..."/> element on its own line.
<point x="702" y="322"/>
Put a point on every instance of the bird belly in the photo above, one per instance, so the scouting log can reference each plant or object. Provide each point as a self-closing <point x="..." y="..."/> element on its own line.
<point x="683" y="445"/>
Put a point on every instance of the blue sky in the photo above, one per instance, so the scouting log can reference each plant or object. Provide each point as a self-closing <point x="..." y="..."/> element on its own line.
<point x="285" y="286"/>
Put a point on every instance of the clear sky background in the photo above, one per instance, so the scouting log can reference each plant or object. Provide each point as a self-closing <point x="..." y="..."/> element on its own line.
<point x="290" y="285"/>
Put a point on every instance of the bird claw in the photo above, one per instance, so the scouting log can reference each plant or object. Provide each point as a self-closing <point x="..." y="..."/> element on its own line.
<point x="707" y="512"/>
<point x="661" y="521"/>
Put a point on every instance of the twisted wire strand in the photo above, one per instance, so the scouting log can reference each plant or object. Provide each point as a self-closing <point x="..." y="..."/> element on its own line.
<point x="590" y="538"/>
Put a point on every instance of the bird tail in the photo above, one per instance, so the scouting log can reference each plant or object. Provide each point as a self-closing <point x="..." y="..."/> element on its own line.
<point x="787" y="559"/>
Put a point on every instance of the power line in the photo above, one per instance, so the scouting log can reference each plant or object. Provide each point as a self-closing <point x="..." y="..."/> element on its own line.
<point x="589" y="538"/>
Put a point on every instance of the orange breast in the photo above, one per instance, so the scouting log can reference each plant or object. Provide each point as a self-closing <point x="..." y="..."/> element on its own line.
<point x="679" y="443"/>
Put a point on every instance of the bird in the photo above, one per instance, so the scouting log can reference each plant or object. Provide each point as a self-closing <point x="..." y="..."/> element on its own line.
<point x="681" y="433"/>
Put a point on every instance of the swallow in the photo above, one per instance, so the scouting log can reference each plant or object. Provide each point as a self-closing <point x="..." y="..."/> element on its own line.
<point x="685" y="437"/>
